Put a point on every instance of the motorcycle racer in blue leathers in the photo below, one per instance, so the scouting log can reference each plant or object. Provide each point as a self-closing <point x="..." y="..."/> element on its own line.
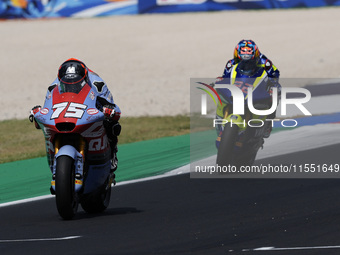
<point x="72" y="74"/>
<point x="248" y="47"/>
<point x="247" y="51"/>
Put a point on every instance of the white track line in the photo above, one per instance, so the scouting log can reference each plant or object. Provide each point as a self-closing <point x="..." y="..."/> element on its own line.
<point x="292" y="248"/>
<point x="40" y="239"/>
<point x="27" y="200"/>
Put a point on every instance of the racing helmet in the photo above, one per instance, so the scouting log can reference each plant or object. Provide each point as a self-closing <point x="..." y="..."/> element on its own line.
<point x="246" y="50"/>
<point x="72" y="75"/>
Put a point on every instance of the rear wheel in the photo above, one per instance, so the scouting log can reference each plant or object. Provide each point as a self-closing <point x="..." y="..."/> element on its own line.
<point x="225" y="154"/>
<point x="66" y="197"/>
<point x="98" y="200"/>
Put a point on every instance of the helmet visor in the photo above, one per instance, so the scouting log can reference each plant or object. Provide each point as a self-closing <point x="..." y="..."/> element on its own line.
<point x="72" y="83"/>
<point x="246" y="53"/>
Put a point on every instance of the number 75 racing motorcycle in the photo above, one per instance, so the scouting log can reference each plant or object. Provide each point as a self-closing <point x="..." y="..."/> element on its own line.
<point x="78" y="150"/>
<point x="244" y="117"/>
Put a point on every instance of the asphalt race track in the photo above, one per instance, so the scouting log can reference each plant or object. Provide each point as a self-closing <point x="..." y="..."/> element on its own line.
<point x="179" y="215"/>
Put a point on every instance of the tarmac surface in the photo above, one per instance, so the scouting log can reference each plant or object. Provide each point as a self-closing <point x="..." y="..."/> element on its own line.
<point x="179" y="215"/>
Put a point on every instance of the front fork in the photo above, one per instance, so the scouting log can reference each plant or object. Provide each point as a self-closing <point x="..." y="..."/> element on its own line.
<point x="78" y="157"/>
<point x="235" y="119"/>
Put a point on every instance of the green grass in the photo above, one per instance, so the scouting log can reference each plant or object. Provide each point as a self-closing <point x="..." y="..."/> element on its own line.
<point x="19" y="139"/>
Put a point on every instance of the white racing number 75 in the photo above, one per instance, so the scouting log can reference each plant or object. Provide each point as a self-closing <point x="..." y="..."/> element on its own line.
<point x="74" y="110"/>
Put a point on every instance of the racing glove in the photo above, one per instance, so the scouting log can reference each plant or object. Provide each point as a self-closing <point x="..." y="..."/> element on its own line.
<point x="274" y="83"/>
<point x="110" y="113"/>
<point x="33" y="111"/>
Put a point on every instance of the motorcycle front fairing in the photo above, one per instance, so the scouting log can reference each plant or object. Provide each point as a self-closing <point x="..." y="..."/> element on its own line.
<point x="261" y="99"/>
<point x="71" y="120"/>
<point x="257" y="82"/>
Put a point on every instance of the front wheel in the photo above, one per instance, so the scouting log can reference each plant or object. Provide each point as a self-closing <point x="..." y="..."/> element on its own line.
<point x="226" y="154"/>
<point x="66" y="197"/>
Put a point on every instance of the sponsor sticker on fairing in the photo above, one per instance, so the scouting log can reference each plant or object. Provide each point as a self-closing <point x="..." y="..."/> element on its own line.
<point x="91" y="95"/>
<point x="44" y="111"/>
<point x="92" y="111"/>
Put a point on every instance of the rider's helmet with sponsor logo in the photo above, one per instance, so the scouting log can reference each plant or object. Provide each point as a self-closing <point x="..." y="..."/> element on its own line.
<point x="72" y="75"/>
<point x="246" y="50"/>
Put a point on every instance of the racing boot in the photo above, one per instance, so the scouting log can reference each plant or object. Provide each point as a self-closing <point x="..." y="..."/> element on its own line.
<point x="113" y="129"/>
<point x="114" y="164"/>
<point x="269" y="125"/>
<point x="267" y="129"/>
